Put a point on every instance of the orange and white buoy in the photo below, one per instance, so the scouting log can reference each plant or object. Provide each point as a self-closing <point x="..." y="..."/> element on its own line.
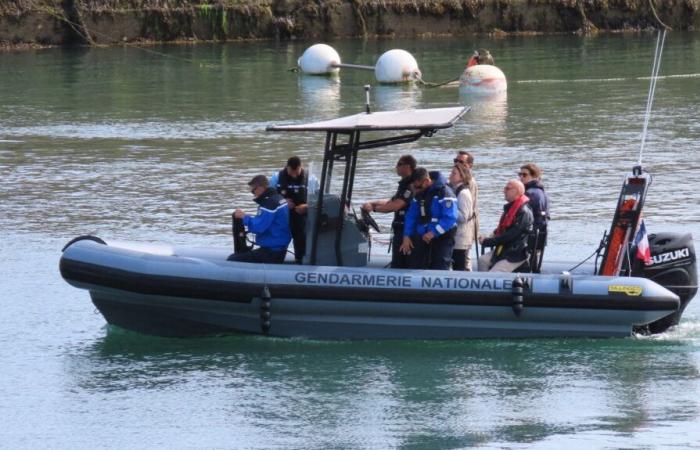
<point x="482" y="79"/>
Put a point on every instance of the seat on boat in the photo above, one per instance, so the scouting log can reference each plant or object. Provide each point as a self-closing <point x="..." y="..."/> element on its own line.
<point x="536" y="243"/>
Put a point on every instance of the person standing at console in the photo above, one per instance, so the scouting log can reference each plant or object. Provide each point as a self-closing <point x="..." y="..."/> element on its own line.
<point x="398" y="204"/>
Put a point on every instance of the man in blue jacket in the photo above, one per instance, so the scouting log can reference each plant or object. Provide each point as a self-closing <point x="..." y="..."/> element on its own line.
<point x="270" y="225"/>
<point x="431" y="222"/>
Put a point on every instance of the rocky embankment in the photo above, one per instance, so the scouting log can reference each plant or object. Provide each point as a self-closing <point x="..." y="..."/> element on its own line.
<point x="107" y="22"/>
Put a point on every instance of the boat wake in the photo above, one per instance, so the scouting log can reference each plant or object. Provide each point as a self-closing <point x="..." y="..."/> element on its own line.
<point x="687" y="330"/>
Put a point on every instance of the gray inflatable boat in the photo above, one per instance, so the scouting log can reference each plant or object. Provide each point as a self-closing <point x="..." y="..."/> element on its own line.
<point x="342" y="291"/>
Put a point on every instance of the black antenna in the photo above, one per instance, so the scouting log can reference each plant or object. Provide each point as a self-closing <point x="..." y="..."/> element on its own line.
<point x="367" y="88"/>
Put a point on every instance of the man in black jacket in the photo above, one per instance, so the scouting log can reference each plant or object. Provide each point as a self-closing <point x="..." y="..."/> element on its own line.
<point x="398" y="204"/>
<point x="292" y="184"/>
<point x="509" y="239"/>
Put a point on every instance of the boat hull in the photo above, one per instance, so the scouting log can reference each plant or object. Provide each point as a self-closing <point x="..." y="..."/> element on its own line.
<point x="338" y="319"/>
<point x="192" y="295"/>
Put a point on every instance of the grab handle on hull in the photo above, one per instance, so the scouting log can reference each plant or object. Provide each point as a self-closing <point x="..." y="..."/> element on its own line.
<point x="517" y="291"/>
<point x="265" y="314"/>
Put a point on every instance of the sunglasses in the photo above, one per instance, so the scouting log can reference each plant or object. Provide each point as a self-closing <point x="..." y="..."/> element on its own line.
<point x="459" y="161"/>
<point x="523" y="174"/>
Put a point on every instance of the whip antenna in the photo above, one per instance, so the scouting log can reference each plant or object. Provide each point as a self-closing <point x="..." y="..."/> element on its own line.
<point x="660" y="39"/>
<point x="367" y="88"/>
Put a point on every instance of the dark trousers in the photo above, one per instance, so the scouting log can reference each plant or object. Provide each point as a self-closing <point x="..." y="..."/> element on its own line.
<point x="297" y="225"/>
<point x="436" y="255"/>
<point x="260" y="255"/>
<point x="459" y="259"/>
<point x="398" y="259"/>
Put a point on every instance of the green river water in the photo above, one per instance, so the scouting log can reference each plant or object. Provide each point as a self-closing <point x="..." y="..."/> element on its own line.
<point x="156" y="144"/>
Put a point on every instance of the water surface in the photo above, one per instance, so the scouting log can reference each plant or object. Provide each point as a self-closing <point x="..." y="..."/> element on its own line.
<point x="157" y="144"/>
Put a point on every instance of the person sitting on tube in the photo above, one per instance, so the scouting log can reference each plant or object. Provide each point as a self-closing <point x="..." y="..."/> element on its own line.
<point x="270" y="224"/>
<point x="431" y="222"/>
<point x="509" y="239"/>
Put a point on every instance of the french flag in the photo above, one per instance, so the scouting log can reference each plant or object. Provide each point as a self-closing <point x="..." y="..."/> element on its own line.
<point x="642" y="242"/>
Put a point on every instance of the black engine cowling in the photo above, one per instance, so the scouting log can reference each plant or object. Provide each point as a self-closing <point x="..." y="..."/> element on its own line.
<point x="673" y="266"/>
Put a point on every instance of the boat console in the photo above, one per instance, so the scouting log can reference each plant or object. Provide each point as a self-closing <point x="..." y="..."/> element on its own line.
<point x="353" y="246"/>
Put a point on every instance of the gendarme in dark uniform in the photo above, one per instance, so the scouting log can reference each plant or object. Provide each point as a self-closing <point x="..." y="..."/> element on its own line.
<point x="398" y="259"/>
<point x="294" y="188"/>
<point x="398" y="204"/>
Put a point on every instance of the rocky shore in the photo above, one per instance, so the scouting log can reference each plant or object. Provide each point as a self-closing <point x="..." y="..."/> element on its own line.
<point x="109" y="22"/>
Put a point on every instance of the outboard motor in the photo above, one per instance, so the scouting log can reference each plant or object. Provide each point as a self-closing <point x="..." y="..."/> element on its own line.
<point x="673" y="266"/>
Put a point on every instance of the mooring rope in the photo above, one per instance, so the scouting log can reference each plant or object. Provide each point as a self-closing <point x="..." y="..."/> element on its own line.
<point x="429" y="84"/>
<point x="652" y="88"/>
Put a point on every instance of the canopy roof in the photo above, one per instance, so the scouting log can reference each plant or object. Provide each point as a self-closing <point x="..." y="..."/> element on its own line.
<point x="413" y="119"/>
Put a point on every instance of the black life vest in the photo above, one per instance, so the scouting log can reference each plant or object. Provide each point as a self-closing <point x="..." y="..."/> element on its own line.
<point x="294" y="188"/>
<point x="404" y="193"/>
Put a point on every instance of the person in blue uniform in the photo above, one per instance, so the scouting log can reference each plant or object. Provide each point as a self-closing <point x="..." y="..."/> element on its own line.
<point x="270" y="224"/>
<point x="398" y="204"/>
<point x="292" y="184"/>
<point x="431" y="222"/>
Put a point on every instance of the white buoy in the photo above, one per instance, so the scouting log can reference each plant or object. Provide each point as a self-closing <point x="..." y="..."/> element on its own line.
<point x="319" y="59"/>
<point x="482" y="79"/>
<point x="396" y="66"/>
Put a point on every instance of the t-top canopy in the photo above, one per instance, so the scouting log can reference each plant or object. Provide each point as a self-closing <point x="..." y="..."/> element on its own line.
<point x="414" y="119"/>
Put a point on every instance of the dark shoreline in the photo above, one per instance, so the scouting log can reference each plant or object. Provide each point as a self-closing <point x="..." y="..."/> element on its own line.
<point x="46" y="23"/>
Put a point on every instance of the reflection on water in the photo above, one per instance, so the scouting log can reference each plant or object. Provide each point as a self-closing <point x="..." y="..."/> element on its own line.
<point x="488" y="115"/>
<point x="320" y="96"/>
<point x="422" y="393"/>
<point x="387" y="97"/>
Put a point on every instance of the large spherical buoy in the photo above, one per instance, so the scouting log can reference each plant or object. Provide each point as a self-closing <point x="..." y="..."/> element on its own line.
<point x="482" y="79"/>
<point x="319" y="60"/>
<point x="396" y="66"/>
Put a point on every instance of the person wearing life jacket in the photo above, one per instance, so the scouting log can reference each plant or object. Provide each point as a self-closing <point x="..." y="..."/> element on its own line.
<point x="431" y="222"/>
<point x="398" y="204"/>
<point x="481" y="56"/>
<point x="292" y="184"/>
<point x="270" y="224"/>
<point x="509" y="240"/>
<point x="531" y="176"/>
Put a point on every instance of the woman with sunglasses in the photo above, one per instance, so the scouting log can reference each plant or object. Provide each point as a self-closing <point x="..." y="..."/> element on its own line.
<point x="530" y="175"/>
